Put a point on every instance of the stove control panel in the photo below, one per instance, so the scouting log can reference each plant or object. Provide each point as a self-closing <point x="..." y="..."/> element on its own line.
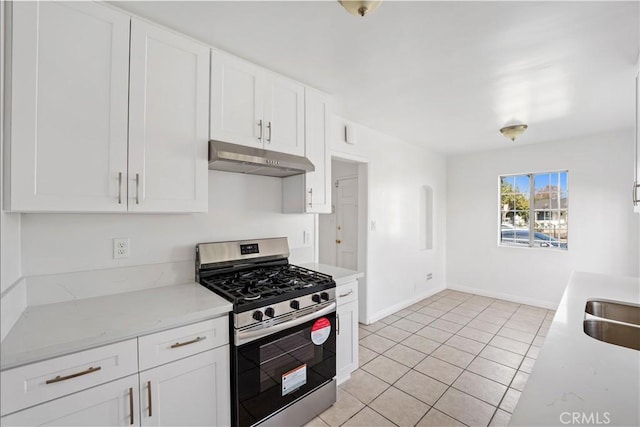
<point x="273" y="312"/>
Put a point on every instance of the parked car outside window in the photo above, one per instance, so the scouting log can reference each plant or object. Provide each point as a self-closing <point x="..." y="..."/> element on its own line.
<point x="520" y="237"/>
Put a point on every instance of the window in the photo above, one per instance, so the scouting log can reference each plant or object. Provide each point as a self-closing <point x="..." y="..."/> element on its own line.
<point x="534" y="210"/>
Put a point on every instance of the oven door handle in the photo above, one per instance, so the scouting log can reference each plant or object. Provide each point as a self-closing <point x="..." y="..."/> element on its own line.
<point x="246" y="337"/>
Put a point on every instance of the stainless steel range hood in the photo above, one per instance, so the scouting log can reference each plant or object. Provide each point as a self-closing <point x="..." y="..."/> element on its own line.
<point x="224" y="156"/>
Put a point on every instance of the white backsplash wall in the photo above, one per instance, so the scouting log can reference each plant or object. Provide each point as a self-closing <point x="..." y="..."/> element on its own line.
<point x="240" y="207"/>
<point x="603" y="234"/>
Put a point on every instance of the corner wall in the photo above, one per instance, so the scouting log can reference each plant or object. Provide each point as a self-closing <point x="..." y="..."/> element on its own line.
<point x="396" y="267"/>
<point x="603" y="231"/>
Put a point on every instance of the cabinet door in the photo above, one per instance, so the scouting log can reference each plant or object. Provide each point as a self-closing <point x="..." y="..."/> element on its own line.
<point x="284" y="115"/>
<point x="111" y="404"/>
<point x="168" y="121"/>
<point x="189" y="392"/>
<point x="347" y="340"/>
<point x="237" y="101"/>
<point x="318" y="182"/>
<point x="69" y="76"/>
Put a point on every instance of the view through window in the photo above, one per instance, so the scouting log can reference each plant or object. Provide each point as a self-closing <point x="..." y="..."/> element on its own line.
<point x="534" y="210"/>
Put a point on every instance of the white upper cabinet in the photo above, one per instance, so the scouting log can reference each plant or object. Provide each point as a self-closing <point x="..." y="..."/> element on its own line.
<point x="311" y="192"/>
<point x="237" y="100"/>
<point x="92" y="130"/>
<point x="168" y="121"/>
<point x="68" y="74"/>
<point x="284" y="115"/>
<point x="254" y="107"/>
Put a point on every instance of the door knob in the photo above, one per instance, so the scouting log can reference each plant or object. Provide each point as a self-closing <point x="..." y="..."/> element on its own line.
<point x="338" y="241"/>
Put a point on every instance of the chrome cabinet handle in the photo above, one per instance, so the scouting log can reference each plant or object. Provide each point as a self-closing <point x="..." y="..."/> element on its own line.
<point x="195" y="340"/>
<point x="635" y="193"/>
<point x="119" y="188"/>
<point x="311" y="197"/>
<point x="137" y="189"/>
<point x="77" y="374"/>
<point x="131" y="405"/>
<point x="269" y="127"/>
<point x="260" y="126"/>
<point x="346" y="295"/>
<point x="149" y="396"/>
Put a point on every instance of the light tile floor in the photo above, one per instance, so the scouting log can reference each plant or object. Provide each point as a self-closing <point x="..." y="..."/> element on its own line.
<point x="451" y="359"/>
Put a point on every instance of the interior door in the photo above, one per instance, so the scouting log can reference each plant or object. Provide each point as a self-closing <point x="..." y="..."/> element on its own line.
<point x="168" y="126"/>
<point x="347" y="223"/>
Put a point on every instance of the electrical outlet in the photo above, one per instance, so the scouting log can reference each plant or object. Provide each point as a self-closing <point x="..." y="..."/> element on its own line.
<point x="429" y="276"/>
<point x="120" y="248"/>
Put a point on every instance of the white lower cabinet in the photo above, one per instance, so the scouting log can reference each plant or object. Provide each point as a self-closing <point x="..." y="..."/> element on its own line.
<point x="347" y="339"/>
<point x="189" y="392"/>
<point x="110" y="404"/>
<point x="184" y="382"/>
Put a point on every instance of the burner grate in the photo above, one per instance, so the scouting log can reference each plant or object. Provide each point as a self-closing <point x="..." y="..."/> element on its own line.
<point x="266" y="285"/>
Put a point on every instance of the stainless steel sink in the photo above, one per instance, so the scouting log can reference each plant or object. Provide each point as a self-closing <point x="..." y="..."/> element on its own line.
<point x="613" y="333"/>
<point x="614" y="311"/>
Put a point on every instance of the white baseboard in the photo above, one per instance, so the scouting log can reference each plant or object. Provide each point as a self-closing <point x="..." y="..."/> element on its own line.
<point x="381" y="314"/>
<point x="507" y="297"/>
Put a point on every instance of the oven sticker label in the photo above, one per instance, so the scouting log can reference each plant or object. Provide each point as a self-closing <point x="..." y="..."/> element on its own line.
<point x="294" y="379"/>
<point x="320" y="331"/>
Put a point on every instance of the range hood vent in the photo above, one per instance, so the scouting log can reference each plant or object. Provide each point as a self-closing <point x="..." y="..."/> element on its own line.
<point x="224" y="156"/>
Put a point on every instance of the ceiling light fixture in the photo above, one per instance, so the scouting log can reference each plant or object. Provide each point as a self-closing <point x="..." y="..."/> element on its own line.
<point x="513" y="131"/>
<point x="360" y="8"/>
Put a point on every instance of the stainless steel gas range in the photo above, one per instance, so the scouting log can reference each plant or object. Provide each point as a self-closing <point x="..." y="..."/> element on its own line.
<point x="283" y="331"/>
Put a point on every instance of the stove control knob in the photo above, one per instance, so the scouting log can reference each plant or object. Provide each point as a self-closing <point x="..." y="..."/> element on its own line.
<point x="295" y="305"/>
<point x="257" y="315"/>
<point x="315" y="298"/>
<point x="270" y="312"/>
<point x="324" y="296"/>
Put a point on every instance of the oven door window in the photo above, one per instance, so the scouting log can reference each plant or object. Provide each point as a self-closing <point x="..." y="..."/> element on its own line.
<point x="276" y="370"/>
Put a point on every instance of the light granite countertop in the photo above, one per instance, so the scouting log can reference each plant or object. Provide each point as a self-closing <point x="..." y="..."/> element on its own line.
<point x="578" y="376"/>
<point x="51" y="330"/>
<point x="341" y="276"/>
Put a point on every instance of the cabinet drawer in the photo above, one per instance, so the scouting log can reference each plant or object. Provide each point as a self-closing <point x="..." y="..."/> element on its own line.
<point x="347" y="292"/>
<point x="39" y="382"/>
<point x="164" y="347"/>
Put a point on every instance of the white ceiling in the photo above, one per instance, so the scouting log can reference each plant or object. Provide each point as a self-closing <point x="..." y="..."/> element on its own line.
<point x="446" y="75"/>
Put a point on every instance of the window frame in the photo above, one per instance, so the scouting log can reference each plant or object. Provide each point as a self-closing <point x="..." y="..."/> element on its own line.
<point x="532" y="210"/>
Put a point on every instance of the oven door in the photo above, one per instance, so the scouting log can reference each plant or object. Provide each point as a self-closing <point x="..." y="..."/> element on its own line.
<point x="274" y="371"/>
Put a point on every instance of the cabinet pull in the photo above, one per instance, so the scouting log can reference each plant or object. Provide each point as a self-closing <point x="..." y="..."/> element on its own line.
<point x="131" y="405"/>
<point x="269" y="134"/>
<point x="77" y="374"/>
<point x="635" y="193"/>
<point x="119" y="188"/>
<point x="337" y="324"/>
<point x="149" y="395"/>
<point x="137" y="189"/>
<point x="195" y="340"/>
<point x="311" y="197"/>
<point x="260" y="126"/>
<point x="346" y="295"/>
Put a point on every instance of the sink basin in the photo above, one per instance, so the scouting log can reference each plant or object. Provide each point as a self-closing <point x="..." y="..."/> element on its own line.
<point x="613" y="333"/>
<point x="614" y="311"/>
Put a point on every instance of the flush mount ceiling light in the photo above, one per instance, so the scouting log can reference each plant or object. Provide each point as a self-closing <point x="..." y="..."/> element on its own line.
<point x="360" y="8"/>
<point x="513" y="131"/>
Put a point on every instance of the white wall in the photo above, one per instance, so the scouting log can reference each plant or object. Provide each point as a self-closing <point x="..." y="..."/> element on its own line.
<point x="12" y="293"/>
<point x="240" y="207"/>
<point x="397" y="269"/>
<point x="603" y="231"/>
